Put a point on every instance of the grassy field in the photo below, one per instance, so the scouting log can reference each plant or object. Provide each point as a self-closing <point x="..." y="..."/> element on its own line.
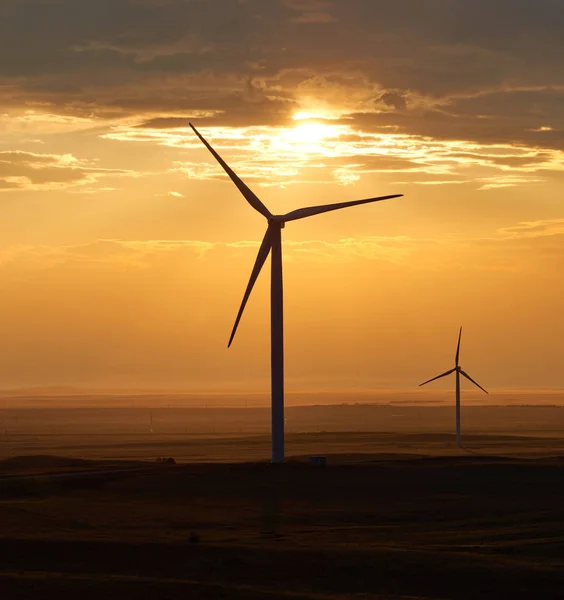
<point x="389" y="522"/>
<point x="239" y="435"/>
<point x="399" y="512"/>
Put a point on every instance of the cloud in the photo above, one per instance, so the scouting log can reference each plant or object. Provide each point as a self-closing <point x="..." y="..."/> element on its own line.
<point x="315" y="17"/>
<point x="519" y="250"/>
<point x="311" y="11"/>
<point x="31" y="120"/>
<point x="392" y="99"/>
<point x="481" y="70"/>
<point x="43" y="172"/>
<point x="322" y="152"/>
<point x="118" y="255"/>
<point x="534" y="229"/>
<point x="143" y="52"/>
<point x="113" y="255"/>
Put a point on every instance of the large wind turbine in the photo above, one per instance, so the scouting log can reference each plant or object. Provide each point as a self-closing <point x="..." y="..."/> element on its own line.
<point x="458" y="370"/>
<point x="272" y="241"/>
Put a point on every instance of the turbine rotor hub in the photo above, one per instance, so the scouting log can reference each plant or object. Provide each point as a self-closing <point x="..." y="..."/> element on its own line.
<point x="277" y="220"/>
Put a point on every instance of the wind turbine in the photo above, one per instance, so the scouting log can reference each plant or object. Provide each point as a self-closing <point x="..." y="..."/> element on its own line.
<point x="458" y="370"/>
<point x="272" y="241"/>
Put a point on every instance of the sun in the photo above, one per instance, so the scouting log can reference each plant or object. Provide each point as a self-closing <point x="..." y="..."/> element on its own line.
<point x="311" y="133"/>
<point x="315" y="115"/>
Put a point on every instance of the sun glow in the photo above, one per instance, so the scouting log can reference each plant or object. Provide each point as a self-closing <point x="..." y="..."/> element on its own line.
<point x="312" y="149"/>
<point x="312" y="133"/>
<point x="308" y="116"/>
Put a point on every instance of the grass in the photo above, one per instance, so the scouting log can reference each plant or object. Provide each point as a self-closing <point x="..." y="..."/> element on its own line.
<point x="375" y="526"/>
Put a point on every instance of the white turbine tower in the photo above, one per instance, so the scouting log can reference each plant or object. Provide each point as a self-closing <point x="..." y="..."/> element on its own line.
<point x="272" y="241"/>
<point x="458" y="370"/>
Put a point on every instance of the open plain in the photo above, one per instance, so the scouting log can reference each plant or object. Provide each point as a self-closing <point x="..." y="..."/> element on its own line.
<point x="395" y="514"/>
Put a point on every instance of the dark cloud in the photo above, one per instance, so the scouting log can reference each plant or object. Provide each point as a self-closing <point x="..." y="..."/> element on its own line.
<point x="393" y="99"/>
<point x="482" y="69"/>
<point x="528" y="117"/>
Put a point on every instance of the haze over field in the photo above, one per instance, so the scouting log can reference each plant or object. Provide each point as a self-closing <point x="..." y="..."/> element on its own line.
<point x="124" y="250"/>
<point x="69" y="397"/>
<point x="212" y="434"/>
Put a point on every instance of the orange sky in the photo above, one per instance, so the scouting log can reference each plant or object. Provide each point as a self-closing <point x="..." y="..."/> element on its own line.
<point x="125" y="251"/>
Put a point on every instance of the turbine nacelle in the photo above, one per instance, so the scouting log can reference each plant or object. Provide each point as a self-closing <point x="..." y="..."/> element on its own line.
<point x="277" y="220"/>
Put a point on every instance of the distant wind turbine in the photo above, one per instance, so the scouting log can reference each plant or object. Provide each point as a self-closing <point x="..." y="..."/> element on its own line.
<point x="458" y="370"/>
<point x="272" y="241"/>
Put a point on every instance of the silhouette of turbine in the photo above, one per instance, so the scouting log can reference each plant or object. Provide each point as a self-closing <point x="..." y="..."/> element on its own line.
<point x="272" y="241"/>
<point x="458" y="370"/>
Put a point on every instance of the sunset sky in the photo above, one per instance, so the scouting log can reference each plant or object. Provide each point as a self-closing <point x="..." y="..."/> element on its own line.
<point x="125" y="250"/>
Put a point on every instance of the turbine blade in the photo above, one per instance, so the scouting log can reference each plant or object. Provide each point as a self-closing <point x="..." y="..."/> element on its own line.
<point x="301" y="213"/>
<point x="470" y="379"/>
<point x="458" y="347"/>
<point x="250" y="196"/>
<point x="262" y="255"/>
<point x="437" y="377"/>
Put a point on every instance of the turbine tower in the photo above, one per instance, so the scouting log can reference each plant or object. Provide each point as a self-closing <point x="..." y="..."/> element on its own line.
<point x="458" y="370"/>
<point x="272" y="241"/>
